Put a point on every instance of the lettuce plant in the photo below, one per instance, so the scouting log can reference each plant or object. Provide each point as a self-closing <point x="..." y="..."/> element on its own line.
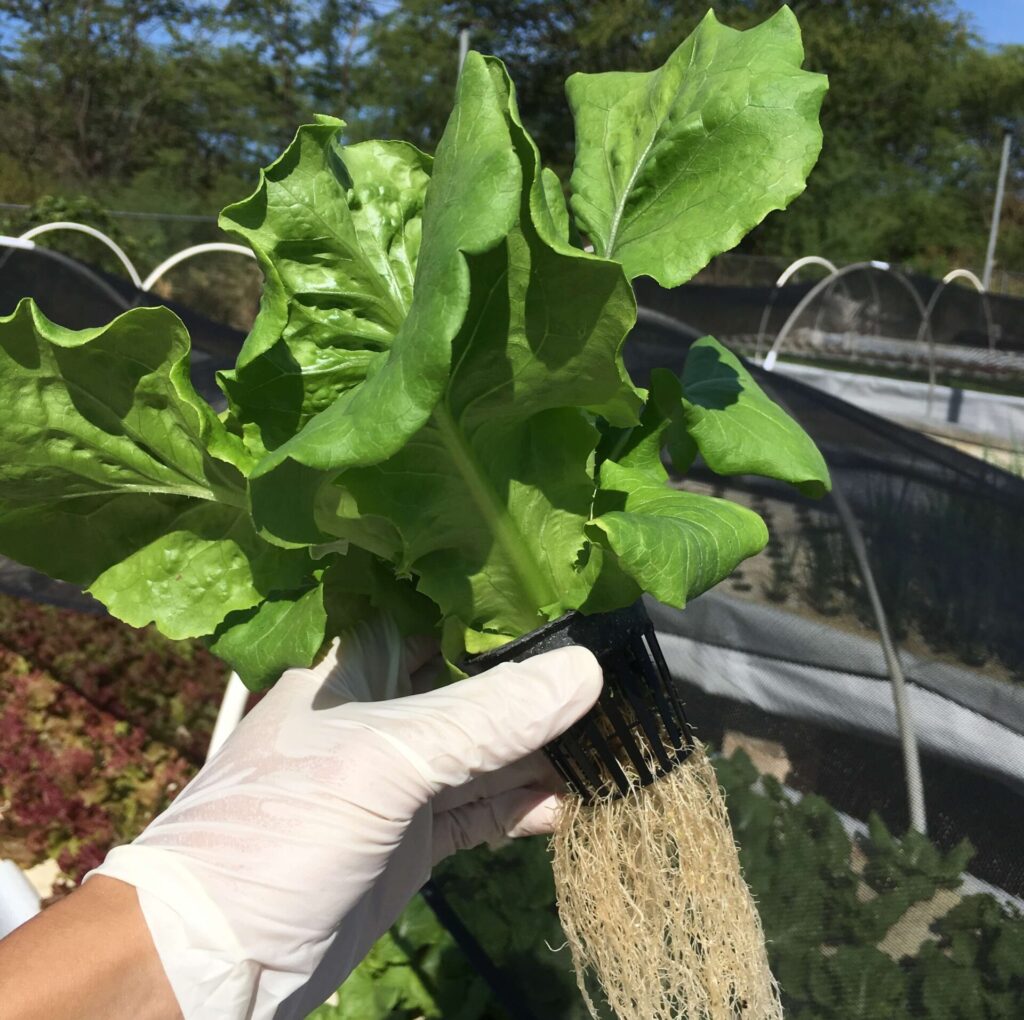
<point x="431" y="413"/>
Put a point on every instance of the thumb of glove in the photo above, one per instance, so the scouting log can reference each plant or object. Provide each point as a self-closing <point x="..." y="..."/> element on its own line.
<point x="488" y="721"/>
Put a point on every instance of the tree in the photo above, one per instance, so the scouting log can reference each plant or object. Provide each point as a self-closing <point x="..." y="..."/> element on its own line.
<point x="87" y="89"/>
<point x="912" y="122"/>
<point x="171" y="105"/>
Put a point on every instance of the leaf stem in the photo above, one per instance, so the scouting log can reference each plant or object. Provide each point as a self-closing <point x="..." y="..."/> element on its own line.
<point x="529" y="573"/>
<point x="620" y="444"/>
<point x="620" y="203"/>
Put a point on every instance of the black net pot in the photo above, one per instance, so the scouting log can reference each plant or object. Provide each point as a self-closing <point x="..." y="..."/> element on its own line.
<point x="637" y="731"/>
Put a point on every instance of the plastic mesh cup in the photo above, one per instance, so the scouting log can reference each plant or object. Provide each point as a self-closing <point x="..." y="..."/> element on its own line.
<point x="637" y="731"/>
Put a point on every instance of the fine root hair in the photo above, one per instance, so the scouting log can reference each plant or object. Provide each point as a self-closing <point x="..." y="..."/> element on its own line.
<point x="654" y="905"/>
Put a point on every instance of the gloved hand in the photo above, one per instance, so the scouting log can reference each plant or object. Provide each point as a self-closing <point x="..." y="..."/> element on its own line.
<point x="302" y="839"/>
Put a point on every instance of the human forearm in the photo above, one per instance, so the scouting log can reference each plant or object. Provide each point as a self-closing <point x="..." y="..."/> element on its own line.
<point x="89" y="957"/>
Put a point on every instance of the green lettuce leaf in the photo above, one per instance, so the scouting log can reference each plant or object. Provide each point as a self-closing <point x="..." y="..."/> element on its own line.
<point x="470" y="206"/>
<point x="491" y="519"/>
<point x="281" y="633"/>
<point x="358" y="582"/>
<point x="674" y="166"/>
<point x="434" y="381"/>
<point x="102" y="430"/>
<point x="674" y="544"/>
<point x="738" y="429"/>
<point x="290" y="628"/>
<point x="336" y="230"/>
<point x="209" y="562"/>
<point x="491" y="496"/>
<point x="661" y="424"/>
<point x="555" y="211"/>
<point x="115" y="474"/>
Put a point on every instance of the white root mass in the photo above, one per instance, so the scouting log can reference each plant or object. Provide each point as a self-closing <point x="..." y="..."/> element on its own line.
<point x="654" y="905"/>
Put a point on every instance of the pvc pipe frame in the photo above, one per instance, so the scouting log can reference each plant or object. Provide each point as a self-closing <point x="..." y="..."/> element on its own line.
<point x="229" y="715"/>
<point x="926" y="321"/>
<point x="791" y="270"/>
<point x="19" y="902"/>
<point x="84" y="228"/>
<point x="187" y="253"/>
<point x="19" y="243"/>
<point x="904" y="718"/>
<point x="25" y="242"/>
<point x="773" y="352"/>
<point x="924" y="330"/>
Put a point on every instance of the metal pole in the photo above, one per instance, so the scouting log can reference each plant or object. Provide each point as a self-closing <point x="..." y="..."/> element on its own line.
<point x="508" y="996"/>
<point x="997" y="209"/>
<point x="463" y="46"/>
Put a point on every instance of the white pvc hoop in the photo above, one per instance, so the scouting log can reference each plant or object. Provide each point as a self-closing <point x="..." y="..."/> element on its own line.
<point x="964" y="274"/>
<point x="926" y="321"/>
<point x="84" y="228"/>
<point x="905" y="727"/>
<point x="784" y="277"/>
<point x="17" y="242"/>
<point x="26" y="243"/>
<point x="65" y="260"/>
<point x="232" y="708"/>
<point x="19" y="901"/>
<point x="773" y="352"/>
<point x="187" y="253"/>
<point x="807" y="260"/>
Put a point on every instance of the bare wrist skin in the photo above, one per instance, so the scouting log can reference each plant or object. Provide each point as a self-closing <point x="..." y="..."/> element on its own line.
<point x="88" y="957"/>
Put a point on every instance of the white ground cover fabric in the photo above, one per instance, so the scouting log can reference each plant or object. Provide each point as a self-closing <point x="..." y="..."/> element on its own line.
<point x="793" y="667"/>
<point x="997" y="415"/>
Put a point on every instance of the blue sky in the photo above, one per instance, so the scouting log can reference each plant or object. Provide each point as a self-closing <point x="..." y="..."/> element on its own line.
<point x="996" y="21"/>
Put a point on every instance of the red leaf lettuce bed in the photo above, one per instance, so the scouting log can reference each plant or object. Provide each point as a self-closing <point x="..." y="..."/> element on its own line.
<point x="100" y="725"/>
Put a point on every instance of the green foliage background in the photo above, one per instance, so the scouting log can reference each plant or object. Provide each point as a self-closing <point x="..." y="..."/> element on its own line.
<point x="827" y="900"/>
<point x="171" y="106"/>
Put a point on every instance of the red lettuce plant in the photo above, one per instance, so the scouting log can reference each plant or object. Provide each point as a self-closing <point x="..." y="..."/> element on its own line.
<point x="100" y="726"/>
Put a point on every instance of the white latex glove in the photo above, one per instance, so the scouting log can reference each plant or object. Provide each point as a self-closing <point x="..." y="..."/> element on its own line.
<point x="300" y="842"/>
